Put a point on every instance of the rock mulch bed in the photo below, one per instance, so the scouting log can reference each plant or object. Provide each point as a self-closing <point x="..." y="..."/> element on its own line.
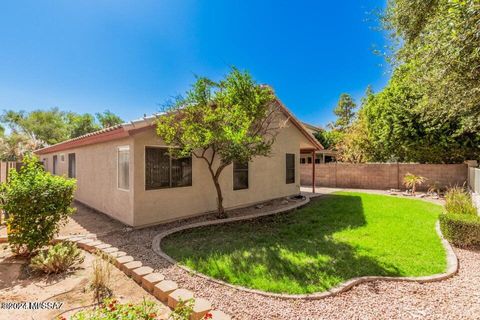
<point x="454" y="298"/>
<point x="18" y="283"/>
<point x="170" y="294"/>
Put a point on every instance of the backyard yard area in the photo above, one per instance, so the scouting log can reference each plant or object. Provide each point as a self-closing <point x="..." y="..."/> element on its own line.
<point x="333" y="239"/>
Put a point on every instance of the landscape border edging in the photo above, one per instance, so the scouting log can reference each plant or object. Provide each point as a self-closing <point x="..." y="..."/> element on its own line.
<point x="91" y="245"/>
<point x="451" y="270"/>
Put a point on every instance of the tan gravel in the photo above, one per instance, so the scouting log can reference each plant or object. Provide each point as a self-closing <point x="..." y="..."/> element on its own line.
<point x="455" y="298"/>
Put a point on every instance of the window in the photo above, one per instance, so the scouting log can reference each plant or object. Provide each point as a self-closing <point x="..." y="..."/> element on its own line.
<point x="240" y="175"/>
<point x="329" y="159"/>
<point x="55" y="164"/>
<point x="317" y="160"/>
<point x="290" y="167"/>
<point x="72" y="168"/>
<point x="45" y="164"/>
<point x="302" y="160"/>
<point x="309" y="159"/>
<point x="62" y="157"/>
<point x="163" y="171"/>
<point x="123" y="168"/>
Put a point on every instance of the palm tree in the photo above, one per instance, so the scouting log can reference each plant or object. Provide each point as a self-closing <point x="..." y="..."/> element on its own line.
<point x="411" y="181"/>
<point x="15" y="146"/>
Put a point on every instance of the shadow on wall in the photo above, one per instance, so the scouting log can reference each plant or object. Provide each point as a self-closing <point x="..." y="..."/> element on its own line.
<point x="293" y="252"/>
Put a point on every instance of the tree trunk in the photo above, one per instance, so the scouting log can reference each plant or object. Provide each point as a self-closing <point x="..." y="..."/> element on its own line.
<point x="221" y="214"/>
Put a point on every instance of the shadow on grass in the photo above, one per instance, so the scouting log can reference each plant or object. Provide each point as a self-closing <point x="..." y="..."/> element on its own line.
<point x="292" y="252"/>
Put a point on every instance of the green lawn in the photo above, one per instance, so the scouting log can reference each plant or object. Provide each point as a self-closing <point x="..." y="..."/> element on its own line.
<point x="331" y="240"/>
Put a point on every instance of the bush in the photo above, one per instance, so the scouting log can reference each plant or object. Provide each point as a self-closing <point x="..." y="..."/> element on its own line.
<point x="100" y="282"/>
<point x="111" y="309"/>
<point x="459" y="201"/>
<point x="411" y="181"/>
<point x="58" y="258"/>
<point x="461" y="229"/>
<point x="183" y="311"/>
<point x="37" y="203"/>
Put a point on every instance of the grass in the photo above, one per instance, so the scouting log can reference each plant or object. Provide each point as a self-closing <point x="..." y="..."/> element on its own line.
<point x="333" y="239"/>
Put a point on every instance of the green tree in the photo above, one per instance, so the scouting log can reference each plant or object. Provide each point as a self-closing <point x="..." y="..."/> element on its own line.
<point x="108" y="119"/>
<point x="81" y="124"/>
<point x="329" y="138"/>
<point x="345" y="112"/>
<point x="430" y="109"/>
<point x="15" y="146"/>
<point x="234" y="119"/>
<point x="47" y="126"/>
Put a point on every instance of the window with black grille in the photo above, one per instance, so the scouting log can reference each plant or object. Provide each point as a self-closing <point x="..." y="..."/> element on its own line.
<point x="164" y="171"/>
<point x="240" y="175"/>
<point x="290" y="167"/>
<point x="72" y="166"/>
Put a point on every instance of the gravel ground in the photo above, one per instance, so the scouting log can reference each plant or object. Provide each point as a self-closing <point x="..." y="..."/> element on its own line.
<point x="455" y="298"/>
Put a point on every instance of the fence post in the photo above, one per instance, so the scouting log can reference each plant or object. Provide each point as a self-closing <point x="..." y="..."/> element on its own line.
<point x="336" y="173"/>
<point x="398" y="176"/>
<point x="471" y="165"/>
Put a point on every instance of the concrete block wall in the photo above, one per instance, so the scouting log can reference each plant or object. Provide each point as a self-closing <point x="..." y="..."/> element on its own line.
<point x="382" y="175"/>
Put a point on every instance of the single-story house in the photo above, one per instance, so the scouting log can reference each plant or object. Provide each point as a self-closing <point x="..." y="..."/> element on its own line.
<point x="126" y="172"/>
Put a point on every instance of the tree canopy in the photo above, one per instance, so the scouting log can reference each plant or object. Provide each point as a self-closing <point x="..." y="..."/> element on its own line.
<point x="39" y="128"/>
<point x="234" y="119"/>
<point x="430" y="109"/>
<point x="108" y="119"/>
<point x="345" y="112"/>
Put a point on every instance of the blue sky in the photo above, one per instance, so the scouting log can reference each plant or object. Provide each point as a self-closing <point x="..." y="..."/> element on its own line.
<point x="132" y="56"/>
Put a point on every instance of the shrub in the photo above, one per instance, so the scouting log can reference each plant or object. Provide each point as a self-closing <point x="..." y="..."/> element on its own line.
<point x="411" y="181"/>
<point x="111" y="309"/>
<point x="461" y="229"/>
<point x="183" y="311"/>
<point x="58" y="258"/>
<point x="100" y="282"/>
<point x="459" y="201"/>
<point x="37" y="203"/>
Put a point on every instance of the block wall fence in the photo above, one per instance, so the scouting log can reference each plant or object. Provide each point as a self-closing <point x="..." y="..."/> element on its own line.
<point x="382" y="175"/>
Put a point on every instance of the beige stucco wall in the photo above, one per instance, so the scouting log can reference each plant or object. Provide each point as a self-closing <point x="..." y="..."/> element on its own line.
<point x="97" y="180"/>
<point x="266" y="181"/>
<point x="96" y="172"/>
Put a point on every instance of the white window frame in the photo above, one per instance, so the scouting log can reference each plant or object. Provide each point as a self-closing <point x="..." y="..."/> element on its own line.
<point x="123" y="148"/>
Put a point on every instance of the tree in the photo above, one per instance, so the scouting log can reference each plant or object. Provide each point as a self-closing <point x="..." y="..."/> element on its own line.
<point x="430" y="109"/>
<point x="234" y="119"/>
<point x="15" y="146"/>
<point x="40" y="128"/>
<point x="81" y="124"/>
<point x="47" y="126"/>
<point x="108" y="119"/>
<point x="344" y="111"/>
<point x="329" y="138"/>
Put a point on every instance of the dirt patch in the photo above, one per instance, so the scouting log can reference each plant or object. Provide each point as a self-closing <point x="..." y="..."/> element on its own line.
<point x="19" y="284"/>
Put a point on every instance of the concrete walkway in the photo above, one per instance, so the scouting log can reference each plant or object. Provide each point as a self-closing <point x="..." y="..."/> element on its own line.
<point x="320" y="191"/>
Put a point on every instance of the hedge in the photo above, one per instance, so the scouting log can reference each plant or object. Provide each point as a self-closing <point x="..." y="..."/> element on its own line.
<point x="461" y="229"/>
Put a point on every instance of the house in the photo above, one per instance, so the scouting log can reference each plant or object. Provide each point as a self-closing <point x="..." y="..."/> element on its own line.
<point x="321" y="156"/>
<point x="125" y="172"/>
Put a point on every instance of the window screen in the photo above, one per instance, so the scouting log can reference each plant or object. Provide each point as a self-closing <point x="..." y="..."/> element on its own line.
<point x="162" y="171"/>
<point x="240" y="176"/>
<point x="290" y="167"/>
<point x="123" y="167"/>
<point x="72" y="166"/>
